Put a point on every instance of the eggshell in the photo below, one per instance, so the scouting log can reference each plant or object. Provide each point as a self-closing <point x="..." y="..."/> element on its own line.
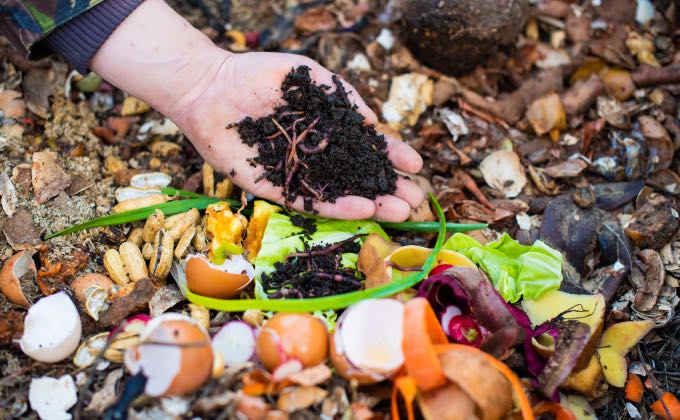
<point x="51" y="398"/>
<point x="346" y="369"/>
<point x="292" y="336"/>
<point x="371" y="333"/>
<point x="175" y="355"/>
<point x="217" y="281"/>
<point x="16" y="267"/>
<point x="87" y="280"/>
<point x="52" y="329"/>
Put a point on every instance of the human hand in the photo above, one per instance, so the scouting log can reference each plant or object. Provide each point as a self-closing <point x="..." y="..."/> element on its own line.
<point x="160" y="58"/>
<point x="249" y="85"/>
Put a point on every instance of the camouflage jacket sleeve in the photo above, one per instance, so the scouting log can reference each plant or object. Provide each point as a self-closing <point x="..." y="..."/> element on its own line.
<point x="24" y="22"/>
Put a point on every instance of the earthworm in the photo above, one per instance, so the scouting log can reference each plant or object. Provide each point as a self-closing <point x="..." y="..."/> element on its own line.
<point x="400" y="268"/>
<point x="316" y="149"/>
<point x="305" y="186"/>
<point x="327" y="250"/>
<point x="282" y="130"/>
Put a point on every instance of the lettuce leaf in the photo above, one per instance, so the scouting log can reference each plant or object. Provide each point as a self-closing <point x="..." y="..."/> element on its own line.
<point x="281" y="238"/>
<point x="516" y="271"/>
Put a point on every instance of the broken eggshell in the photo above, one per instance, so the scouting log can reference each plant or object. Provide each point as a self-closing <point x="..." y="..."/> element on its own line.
<point x="175" y="355"/>
<point x="19" y="265"/>
<point x="503" y="171"/>
<point x="218" y="281"/>
<point x="235" y="343"/>
<point x="51" y="398"/>
<point x="367" y="345"/>
<point x="52" y="329"/>
<point x="289" y="336"/>
<point x="92" y="292"/>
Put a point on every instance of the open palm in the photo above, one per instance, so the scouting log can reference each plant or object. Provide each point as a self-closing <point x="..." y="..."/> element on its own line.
<point x="241" y="85"/>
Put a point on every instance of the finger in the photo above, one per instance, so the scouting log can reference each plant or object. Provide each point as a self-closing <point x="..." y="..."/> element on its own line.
<point x="410" y="192"/>
<point x="403" y="156"/>
<point x="350" y="207"/>
<point x="389" y="208"/>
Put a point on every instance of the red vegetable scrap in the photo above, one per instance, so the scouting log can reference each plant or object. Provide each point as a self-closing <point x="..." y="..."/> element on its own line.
<point x="470" y="291"/>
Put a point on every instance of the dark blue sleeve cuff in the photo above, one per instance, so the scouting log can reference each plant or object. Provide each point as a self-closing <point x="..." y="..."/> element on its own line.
<point x="79" y="39"/>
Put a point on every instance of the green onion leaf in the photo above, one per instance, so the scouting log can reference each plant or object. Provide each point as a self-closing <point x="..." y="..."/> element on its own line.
<point x="169" y="208"/>
<point x="331" y="302"/>
<point x="426" y="227"/>
<point x="200" y="202"/>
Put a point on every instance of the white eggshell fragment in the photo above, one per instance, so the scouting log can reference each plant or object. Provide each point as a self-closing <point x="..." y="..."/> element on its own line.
<point x="235" y="342"/>
<point x="371" y="333"/>
<point x="52" y="329"/>
<point x="51" y="397"/>
<point x="503" y="171"/>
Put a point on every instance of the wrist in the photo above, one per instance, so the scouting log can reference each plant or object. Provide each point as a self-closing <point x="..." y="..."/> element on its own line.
<point x="156" y="56"/>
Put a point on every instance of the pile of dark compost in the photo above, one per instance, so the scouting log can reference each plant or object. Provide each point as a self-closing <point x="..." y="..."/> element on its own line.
<point x="315" y="271"/>
<point x="317" y="145"/>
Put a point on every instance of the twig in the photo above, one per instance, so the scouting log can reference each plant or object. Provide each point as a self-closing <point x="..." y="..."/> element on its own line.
<point x="652" y="380"/>
<point x="651" y="76"/>
<point x="471" y="186"/>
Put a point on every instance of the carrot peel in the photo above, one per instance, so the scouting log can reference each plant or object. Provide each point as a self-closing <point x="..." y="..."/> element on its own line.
<point x="668" y="407"/>
<point x="408" y="389"/>
<point x="634" y="388"/>
<point x="422" y="332"/>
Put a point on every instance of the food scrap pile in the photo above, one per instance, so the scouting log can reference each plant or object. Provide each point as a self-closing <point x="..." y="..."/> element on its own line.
<point x="171" y="294"/>
<point x="316" y="145"/>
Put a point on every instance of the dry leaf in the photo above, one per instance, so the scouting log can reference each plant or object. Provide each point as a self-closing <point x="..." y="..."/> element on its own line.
<point x="314" y="375"/>
<point x="546" y="114"/>
<point x="482" y="382"/>
<point x="107" y="394"/>
<point x="47" y="176"/>
<point x="371" y="260"/>
<point x="9" y="195"/>
<point x="643" y="48"/>
<point x="410" y="95"/>
<point x="299" y="398"/>
<point x="567" y="169"/>
<point x="316" y="19"/>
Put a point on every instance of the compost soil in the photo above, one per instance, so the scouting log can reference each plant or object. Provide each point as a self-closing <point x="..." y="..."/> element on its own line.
<point x="307" y="224"/>
<point x="314" y="272"/>
<point x="317" y="146"/>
